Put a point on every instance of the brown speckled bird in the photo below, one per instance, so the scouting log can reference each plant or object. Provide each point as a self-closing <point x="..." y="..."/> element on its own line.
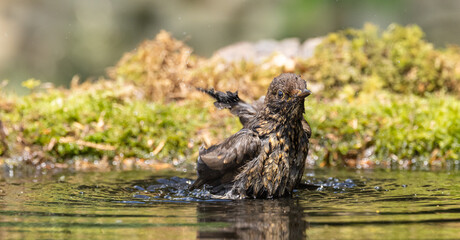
<point x="266" y="158"/>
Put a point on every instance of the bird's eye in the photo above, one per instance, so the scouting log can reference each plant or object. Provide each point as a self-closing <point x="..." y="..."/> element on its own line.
<point x="280" y="93"/>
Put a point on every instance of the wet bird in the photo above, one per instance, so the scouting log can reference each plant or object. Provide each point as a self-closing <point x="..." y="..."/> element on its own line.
<point x="266" y="158"/>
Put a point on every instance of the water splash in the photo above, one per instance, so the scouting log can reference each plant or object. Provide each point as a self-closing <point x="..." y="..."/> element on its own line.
<point x="176" y="189"/>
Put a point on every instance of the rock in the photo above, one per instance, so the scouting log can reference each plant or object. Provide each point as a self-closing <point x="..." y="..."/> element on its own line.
<point x="263" y="49"/>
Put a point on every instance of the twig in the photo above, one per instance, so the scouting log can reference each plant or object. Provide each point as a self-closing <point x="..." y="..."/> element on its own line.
<point x="159" y="147"/>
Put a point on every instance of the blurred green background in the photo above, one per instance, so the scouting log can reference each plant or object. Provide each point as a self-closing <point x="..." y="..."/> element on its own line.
<point x="55" y="40"/>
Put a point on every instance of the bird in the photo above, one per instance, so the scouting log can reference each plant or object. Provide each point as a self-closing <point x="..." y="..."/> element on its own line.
<point x="266" y="158"/>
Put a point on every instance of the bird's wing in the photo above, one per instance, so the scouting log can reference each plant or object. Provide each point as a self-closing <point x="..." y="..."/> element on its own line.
<point x="258" y="104"/>
<point x="306" y="127"/>
<point x="222" y="160"/>
<point x="238" y="107"/>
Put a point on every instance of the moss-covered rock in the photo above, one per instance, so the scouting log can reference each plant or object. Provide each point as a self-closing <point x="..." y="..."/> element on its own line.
<point x="160" y="66"/>
<point x="98" y="122"/>
<point x="58" y="125"/>
<point x="386" y="128"/>
<point x="381" y="98"/>
<point x="399" y="60"/>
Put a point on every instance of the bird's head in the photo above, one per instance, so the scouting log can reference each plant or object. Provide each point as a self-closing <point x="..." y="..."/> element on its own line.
<point x="286" y="94"/>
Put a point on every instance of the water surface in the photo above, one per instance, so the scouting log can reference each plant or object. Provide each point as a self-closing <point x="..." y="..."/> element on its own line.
<point x="157" y="205"/>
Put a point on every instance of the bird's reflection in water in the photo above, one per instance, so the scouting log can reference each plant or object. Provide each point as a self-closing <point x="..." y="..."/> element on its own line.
<point x="253" y="219"/>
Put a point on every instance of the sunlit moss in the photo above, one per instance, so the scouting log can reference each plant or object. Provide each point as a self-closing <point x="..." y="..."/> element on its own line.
<point x="386" y="98"/>
<point x="101" y="122"/>
<point x="160" y="66"/>
<point x="388" y="126"/>
<point x="399" y="59"/>
<point x="167" y="70"/>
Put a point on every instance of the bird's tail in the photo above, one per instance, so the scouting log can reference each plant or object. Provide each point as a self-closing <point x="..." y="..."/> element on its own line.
<point x="202" y="171"/>
<point x="197" y="184"/>
<point x="223" y="99"/>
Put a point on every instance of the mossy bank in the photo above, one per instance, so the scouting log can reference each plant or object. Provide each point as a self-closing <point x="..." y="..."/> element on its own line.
<point x="380" y="99"/>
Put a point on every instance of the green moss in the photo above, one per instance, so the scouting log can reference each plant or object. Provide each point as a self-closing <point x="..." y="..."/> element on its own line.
<point x="161" y="66"/>
<point x="387" y="98"/>
<point x="399" y="60"/>
<point x="389" y="126"/>
<point x="100" y="122"/>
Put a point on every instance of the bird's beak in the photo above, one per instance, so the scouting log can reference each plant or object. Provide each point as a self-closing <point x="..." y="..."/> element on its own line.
<point x="303" y="93"/>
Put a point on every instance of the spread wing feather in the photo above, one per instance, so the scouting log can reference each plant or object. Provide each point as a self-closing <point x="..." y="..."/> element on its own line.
<point x="228" y="100"/>
<point x="245" y="111"/>
<point x="215" y="163"/>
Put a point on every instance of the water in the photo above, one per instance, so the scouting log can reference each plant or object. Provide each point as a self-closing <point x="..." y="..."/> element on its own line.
<point x="146" y="205"/>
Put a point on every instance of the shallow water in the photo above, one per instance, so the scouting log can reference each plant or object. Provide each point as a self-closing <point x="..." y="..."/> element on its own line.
<point x="146" y="205"/>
